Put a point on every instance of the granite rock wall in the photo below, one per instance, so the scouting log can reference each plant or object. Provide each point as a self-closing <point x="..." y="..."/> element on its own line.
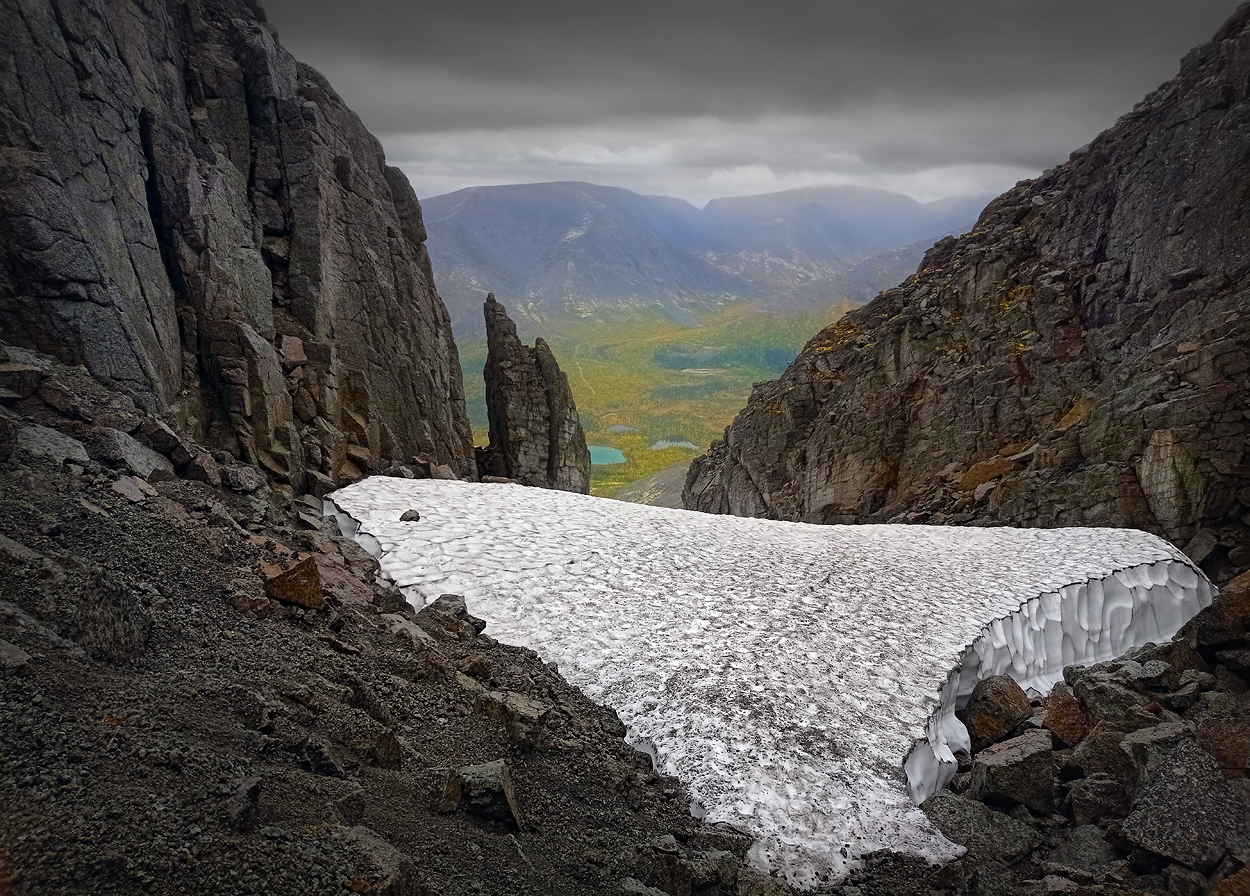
<point x="192" y="214"/>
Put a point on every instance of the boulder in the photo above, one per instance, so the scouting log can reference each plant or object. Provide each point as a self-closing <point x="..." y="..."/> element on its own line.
<point x="299" y="585"/>
<point x="119" y="449"/>
<point x="522" y="716"/>
<point x="484" y="790"/>
<point x="43" y="442"/>
<point x="240" y="810"/>
<point x="1096" y="797"/>
<point x="1147" y="747"/>
<point x="13" y="658"/>
<point x="1065" y="718"/>
<point x="1187" y="811"/>
<point x="1100" y="753"/>
<point x="381" y="869"/>
<point x="997" y="705"/>
<point x="988" y="835"/>
<point x="242" y="478"/>
<point x="1016" y="772"/>
<point x="448" y="617"/>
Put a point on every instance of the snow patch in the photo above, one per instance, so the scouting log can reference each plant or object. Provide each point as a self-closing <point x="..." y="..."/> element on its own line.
<point x="801" y="680"/>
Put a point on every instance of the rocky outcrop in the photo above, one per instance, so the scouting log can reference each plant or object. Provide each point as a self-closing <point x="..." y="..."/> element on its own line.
<point x="199" y="219"/>
<point x="1080" y="358"/>
<point x="536" y="436"/>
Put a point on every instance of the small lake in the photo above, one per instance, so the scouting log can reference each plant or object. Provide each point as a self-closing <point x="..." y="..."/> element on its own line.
<point x="665" y="443"/>
<point x="602" y="455"/>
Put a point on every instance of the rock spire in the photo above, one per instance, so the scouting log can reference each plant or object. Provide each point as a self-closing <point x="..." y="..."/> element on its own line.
<point x="535" y="434"/>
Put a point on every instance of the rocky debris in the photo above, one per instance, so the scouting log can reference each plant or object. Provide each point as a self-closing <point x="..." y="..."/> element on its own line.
<point x="536" y="436"/>
<point x="410" y="516"/>
<point x="1142" y="802"/>
<point x="997" y="705"/>
<point x="1115" y="351"/>
<point x="150" y="685"/>
<point x="194" y="240"/>
<point x="484" y="790"/>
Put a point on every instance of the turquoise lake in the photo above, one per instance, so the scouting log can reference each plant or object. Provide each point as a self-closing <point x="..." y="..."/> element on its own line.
<point x="601" y="455"/>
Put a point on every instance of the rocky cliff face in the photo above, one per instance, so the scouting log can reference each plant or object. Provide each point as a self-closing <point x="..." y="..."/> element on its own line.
<point x="1081" y="358"/>
<point x="535" y="434"/>
<point x="189" y="212"/>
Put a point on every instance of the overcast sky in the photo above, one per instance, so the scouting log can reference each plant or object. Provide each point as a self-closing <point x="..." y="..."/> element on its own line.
<point x="696" y="99"/>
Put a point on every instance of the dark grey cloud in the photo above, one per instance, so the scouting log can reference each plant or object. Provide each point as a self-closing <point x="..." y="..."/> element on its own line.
<point x="884" y="88"/>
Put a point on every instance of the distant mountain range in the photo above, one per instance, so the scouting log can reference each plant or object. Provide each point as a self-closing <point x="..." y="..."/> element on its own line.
<point x="576" y="248"/>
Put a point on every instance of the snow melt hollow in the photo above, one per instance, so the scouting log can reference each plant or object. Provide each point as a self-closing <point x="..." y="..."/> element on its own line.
<point x="801" y="680"/>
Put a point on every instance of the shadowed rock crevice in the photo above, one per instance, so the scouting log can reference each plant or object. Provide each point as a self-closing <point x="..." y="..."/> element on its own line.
<point x="536" y="436"/>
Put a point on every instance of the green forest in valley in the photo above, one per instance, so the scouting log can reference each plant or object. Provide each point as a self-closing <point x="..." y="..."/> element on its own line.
<point x="645" y="380"/>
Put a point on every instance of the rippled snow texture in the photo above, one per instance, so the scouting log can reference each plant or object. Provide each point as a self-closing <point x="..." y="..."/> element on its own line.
<point x="782" y="670"/>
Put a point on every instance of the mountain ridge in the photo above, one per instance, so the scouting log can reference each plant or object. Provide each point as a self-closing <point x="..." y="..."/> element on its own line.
<point x="570" y="247"/>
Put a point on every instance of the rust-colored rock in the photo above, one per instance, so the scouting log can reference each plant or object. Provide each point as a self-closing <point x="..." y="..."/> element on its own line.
<point x="299" y="585"/>
<point x="997" y="705"/>
<point x="1065" y="718"/>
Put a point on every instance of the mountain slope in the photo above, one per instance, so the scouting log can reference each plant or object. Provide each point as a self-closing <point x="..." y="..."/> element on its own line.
<point x="550" y="248"/>
<point x="784" y="239"/>
<point x="1081" y="358"/>
<point x="576" y="248"/>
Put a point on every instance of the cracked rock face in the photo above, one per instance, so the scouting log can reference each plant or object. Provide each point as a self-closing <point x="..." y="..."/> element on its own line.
<point x="188" y="211"/>
<point x="1080" y="358"/>
<point x="536" y="436"/>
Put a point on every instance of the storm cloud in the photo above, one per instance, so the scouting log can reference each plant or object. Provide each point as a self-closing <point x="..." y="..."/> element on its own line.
<point x="702" y="99"/>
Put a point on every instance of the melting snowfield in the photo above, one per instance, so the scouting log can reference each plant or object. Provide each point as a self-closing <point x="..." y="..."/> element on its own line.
<point x="800" y="679"/>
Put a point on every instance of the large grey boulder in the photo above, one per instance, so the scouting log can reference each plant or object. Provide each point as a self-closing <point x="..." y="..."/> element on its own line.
<point x="43" y="442"/>
<point x="1187" y="811"/>
<point x="988" y="835"/>
<point x="536" y="436"/>
<point x="1016" y="772"/>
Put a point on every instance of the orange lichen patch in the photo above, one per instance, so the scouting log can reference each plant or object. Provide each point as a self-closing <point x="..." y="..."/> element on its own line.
<point x="1077" y="413"/>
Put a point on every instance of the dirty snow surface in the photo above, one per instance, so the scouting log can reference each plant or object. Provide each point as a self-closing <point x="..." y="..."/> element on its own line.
<point x="782" y="670"/>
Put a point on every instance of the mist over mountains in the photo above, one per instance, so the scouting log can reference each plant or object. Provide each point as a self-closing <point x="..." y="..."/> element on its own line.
<point x="581" y="249"/>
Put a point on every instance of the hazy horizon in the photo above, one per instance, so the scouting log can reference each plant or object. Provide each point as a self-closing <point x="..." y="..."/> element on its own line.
<point x="699" y="205"/>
